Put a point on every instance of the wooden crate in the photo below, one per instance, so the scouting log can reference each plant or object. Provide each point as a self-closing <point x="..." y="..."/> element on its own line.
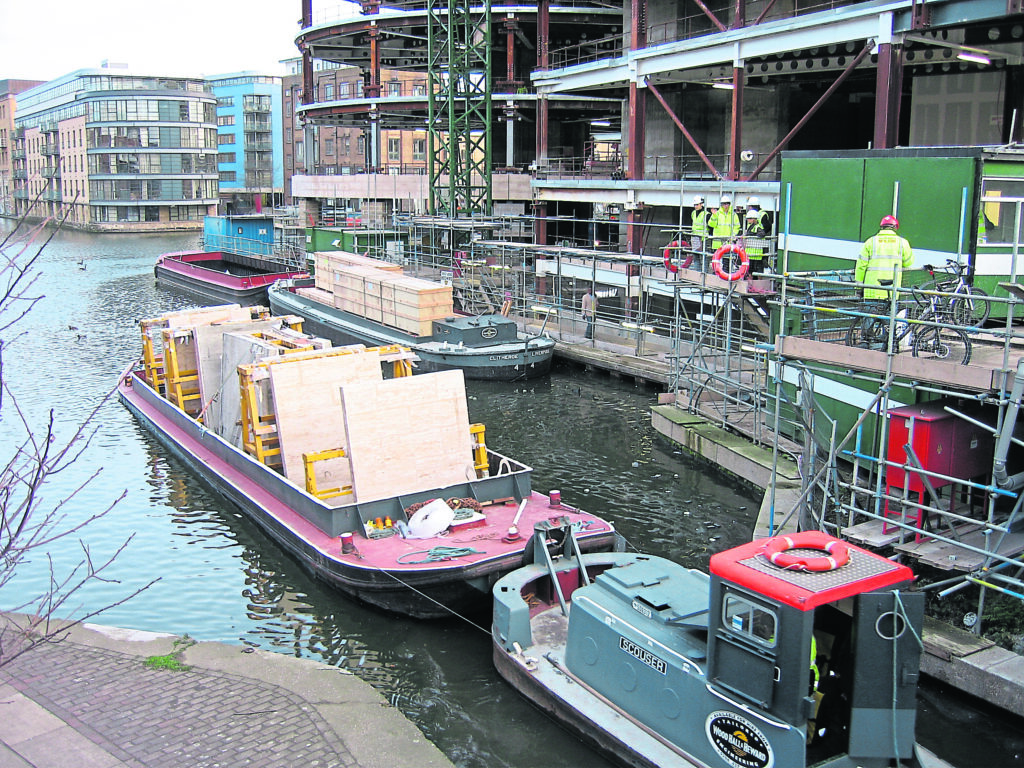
<point x="318" y="295"/>
<point x="335" y="259"/>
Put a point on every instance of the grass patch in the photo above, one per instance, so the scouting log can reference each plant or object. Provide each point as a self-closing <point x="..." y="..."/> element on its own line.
<point x="172" y="660"/>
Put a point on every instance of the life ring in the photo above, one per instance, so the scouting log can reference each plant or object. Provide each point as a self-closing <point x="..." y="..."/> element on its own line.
<point x="777" y="550"/>
<point x="740" y="271"/>
<point x="667" y="253"/>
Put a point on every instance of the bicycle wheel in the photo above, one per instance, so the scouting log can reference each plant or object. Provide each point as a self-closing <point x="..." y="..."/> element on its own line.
<point x="943" y="344"/>
<point x="868" y="332"/>
<point x="972" y="309"/>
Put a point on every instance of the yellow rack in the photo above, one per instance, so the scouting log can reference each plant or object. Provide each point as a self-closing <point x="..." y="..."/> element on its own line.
<point x="309" y="461"/>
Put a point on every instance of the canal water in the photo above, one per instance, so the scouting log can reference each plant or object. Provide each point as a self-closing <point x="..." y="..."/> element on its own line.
<point x="220" y="579"/>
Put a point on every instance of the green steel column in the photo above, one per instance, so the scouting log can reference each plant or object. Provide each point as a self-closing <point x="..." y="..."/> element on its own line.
<point x="459" y="111"/>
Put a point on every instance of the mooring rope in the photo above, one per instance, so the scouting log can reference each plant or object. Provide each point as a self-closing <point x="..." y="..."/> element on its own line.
<point x="437" y="554"/>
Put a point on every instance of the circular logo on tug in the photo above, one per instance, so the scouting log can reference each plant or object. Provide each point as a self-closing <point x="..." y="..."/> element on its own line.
<point x="489" y="332"/>
<point x="738" y="740"/>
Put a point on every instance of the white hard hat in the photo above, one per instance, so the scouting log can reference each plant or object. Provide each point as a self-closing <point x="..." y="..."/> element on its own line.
<point x="751" y="214"/>
<point x="698" y="200"/>
<point x="726" y="199"/>
<point x="753" y="201"/>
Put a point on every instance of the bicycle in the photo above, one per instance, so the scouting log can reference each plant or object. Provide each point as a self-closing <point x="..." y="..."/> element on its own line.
<point x="967" y="305"/>
<point x="922" y="318"/>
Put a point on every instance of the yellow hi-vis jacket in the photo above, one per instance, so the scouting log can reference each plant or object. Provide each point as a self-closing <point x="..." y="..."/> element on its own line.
<point x="883" y="257"/>
<point x="724" y="224"/>
<point x="699" y="219"/>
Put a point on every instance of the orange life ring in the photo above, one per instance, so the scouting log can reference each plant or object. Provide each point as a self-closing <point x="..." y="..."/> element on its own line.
<point x="667" y="254"/>
<point x="740" y="271"/>
<point x="837" y="554"/>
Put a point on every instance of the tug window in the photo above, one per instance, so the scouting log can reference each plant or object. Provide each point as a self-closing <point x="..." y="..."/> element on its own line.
<point x="746" y="618"/>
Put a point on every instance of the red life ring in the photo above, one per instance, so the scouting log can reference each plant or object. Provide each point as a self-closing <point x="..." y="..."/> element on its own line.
<point x="740" y="271"/>
<point x="837" y="553"/>
<point x="667" y="253"/>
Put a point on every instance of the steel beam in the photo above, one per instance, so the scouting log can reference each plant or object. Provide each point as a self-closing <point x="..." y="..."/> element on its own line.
<point x="888" y="94"/>
<point x="679" y="124"/>
<point x="817" y="105"/>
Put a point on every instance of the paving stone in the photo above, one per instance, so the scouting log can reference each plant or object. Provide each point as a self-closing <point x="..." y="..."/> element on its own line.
<point x="162" y="717"/>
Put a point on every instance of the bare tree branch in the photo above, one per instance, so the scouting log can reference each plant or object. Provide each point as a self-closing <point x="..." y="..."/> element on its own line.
<point x="31" y="522"/>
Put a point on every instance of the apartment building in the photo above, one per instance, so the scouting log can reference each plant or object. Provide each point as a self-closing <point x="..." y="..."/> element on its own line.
<point x="117" y="151"/>
<point x="249" y="141"/>
<point x="9" y="89"/>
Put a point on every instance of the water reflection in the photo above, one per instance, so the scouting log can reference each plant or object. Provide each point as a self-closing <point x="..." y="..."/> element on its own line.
<point x="221" y="579"/>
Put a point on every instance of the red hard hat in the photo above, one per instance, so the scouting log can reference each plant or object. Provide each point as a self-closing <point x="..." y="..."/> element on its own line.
<point x="890" y="221"/>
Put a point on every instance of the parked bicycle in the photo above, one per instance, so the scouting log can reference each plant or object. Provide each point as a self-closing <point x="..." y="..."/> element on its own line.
<point x="923" y="320"/>
<point x="967" y="305"/>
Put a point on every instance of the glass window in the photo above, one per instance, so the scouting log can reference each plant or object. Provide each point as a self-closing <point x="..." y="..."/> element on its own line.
<point x="999" y="199"/>
<point x="419" y="149"/>
<point x="328" y="90"/>
<point x="225" y="119"/>
<point x="747" y="618"/>
<point x="225" y="138"/>
<point x="394" y="150"/>
<point x="328" y="146"/>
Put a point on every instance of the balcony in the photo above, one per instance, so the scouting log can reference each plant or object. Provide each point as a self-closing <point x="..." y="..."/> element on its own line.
<point x="51" y="172"/>
<point x="19" y="173"/>
<point x="259" y="145"/>
<point x="48" y="126"/>
<point x="50" y="148"/>
<point x="17" y="154"/>
<point x="259" y="179"/>
<point x="52" y="195"/>
<point x="256" y="126"/>
<point x="256" y="109"/>
<point x="21" y="194"/>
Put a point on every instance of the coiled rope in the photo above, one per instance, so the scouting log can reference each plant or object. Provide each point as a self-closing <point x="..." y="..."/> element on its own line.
<point x="437" y="554"/>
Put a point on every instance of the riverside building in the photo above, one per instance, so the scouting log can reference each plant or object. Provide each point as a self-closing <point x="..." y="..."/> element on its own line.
<point x="249" y="143"/>
<point x="117" y="151"/>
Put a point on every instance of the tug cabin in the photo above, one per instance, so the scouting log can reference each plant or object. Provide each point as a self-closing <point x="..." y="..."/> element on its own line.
<point x="835" y="652"/>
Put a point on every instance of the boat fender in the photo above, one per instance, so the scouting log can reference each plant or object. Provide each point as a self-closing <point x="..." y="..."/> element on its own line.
<point x="777" y="550"/>
<point x="667" y="254"/>
<point x="430" y="520"/>
<point x="739" y="253"/>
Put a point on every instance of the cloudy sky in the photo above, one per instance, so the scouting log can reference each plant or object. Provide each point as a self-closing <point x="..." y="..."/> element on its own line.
<point x="44" y="39"/>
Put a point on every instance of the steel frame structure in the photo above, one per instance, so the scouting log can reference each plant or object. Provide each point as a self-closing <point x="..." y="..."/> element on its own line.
<point x="459" y="110"/>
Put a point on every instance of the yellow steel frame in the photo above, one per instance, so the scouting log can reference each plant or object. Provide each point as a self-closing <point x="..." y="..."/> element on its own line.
<point x="480" y="463"/>
<point x="259" y="433"/>
<point x="153" y="363"/>
<point x="176" y="379"/>
<point x="309" y="461"/>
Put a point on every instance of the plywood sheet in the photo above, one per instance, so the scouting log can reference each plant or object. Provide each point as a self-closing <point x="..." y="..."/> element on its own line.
<point x="228" y="313"/>
<point x="407" y="434"/>
<point x="224" y="414"/>
<point x="209" y="342"/>
<point x="307" y="405"/>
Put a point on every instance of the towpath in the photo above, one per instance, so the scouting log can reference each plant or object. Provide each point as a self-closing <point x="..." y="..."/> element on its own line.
<point x="93" y="701"/>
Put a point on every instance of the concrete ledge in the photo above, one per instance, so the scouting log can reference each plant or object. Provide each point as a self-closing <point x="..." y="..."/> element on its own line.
<point x="994" y="675"/>
<point x="749" y="463"/>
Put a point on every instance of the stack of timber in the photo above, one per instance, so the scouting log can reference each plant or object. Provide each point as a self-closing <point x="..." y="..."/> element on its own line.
<point x="357" y="299"/>
<point x="338" y="453"/>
